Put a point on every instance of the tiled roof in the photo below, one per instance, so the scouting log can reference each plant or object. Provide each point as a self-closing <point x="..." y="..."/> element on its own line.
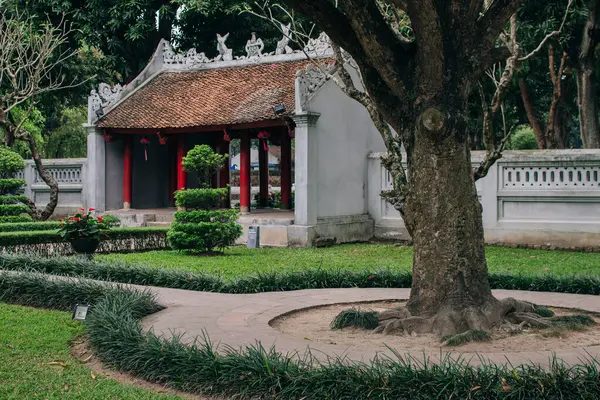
<point x="220" y="96"/>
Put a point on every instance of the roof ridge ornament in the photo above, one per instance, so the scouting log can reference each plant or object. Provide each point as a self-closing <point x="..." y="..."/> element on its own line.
<point x="254" y="47"/>
<point x="319" y="47"/>
<point x="225" y="53"/>
<point x="283" y="45"/>
<point x="104" y="97"/>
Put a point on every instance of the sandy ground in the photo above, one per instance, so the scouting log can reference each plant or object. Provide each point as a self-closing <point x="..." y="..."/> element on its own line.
<point x="313" y="325"/>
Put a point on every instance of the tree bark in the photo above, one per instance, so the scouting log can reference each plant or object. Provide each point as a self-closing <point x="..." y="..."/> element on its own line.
<point x="44" y="214"/>
<point x="450" y="276"/>
<point x="535" y="123"/>
<point x="587" y="80"/>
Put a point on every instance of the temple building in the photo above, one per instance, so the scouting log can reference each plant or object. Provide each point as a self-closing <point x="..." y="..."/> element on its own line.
<point x="139" y="133"/>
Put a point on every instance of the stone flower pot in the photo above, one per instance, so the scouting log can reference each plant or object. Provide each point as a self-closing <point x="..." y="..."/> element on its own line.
<point x="84" y="245"/>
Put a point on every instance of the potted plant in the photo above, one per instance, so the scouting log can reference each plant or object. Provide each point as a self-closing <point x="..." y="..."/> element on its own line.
<point x="83" y="231"/>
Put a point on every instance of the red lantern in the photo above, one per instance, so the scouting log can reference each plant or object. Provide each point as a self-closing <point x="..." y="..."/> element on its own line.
<point x="264" y="136"/>
<point x="145" y="142"/>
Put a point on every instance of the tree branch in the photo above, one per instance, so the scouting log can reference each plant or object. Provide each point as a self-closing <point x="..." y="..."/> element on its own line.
<point x="494" y="19"/>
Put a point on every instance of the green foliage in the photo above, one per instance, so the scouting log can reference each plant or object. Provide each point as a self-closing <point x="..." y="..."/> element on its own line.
<point x="83" y="225"/>
<point x="69" y="139"/>
<point x="34" y="124"/>
<point x="13" y="209"/>
<point x="117" y="338"/>
<point x="13" y="199"/>
<point x="355" y="318"/>
<point x="18" y="238"/>
<point x="523" y="138"/>
<point x="30" y="226"/>
<point x="15" y="219"/>
<point x="115" y="270"/>
<point x="200" y="198"/>
<point x="210" y="230"/>
<point x="111" y="221"/>
<point x="203" y="160"/>
<point x="11" y="185"/>
<point x="466" y="337"/>
<point x="544" y="312"/>
<point x="10" y="162"/>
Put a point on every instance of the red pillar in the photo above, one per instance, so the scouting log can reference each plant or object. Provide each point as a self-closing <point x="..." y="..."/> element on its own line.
<point x="245" y="173"/>
<point x="263" y="167"/>
<point x="224" y="172"/>
<point x="172" y="170"/>
<point x="127" y="171"/>
<point x="181" y="175"/>
<point x="286" y="171"/>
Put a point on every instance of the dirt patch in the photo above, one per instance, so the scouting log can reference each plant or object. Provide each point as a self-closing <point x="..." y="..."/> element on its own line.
<point x="313" y="325"/>
<point x="81" y="351"/>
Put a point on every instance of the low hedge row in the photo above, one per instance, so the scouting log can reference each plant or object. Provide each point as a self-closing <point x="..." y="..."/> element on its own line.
<point x="275" y="281"/>
<point x="44" y="243"/>
<point x="30" y="226"/>
<point x="117" y="337"/>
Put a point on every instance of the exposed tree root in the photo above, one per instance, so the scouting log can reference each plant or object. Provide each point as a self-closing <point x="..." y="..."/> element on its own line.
<point x="460" y="325"/>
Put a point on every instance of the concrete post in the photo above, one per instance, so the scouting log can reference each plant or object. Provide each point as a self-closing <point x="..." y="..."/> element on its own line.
<point x="306" y="169"/>
<point x="95" y="172"/>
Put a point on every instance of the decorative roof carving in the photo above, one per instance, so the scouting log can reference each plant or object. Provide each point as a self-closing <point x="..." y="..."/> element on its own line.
<point x="105" y="97"/>
<point x="254" y="47"/>
<point x="225" y="53"/>
<point x="312" y="78"/>
<point x="319" y="47"/>
<point x="283" y="45"/>
<point x="190" y="58"/>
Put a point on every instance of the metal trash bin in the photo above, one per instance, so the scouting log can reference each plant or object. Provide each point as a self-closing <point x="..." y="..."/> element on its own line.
<point x="254" y="237"/>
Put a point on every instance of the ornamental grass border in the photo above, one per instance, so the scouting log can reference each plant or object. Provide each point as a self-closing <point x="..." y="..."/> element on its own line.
<point x="116" y="336"/>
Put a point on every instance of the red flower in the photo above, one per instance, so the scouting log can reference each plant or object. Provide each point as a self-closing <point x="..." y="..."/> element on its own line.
<point x="100" y="218"/>
<point x="92" y="209"/>
<point x="82" y="209"/>
<point x="80" y="234"/>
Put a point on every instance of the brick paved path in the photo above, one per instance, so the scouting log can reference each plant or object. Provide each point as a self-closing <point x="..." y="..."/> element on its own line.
<point x="243" y="319"/>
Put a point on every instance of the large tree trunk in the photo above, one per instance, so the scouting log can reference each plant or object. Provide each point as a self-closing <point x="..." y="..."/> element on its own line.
<point x="450" y="276"/>
<point x="587" y="81"/>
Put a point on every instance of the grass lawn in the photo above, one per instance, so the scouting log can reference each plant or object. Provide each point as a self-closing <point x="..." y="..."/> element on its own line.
<point x="240" y="261"/>
<point x="36" y="363"/>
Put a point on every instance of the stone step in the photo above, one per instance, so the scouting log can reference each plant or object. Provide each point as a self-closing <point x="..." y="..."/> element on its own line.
<point x="159" y="224"/>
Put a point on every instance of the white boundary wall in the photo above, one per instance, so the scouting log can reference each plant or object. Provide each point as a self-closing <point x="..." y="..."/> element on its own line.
<point x="547" y="198"/>
<point x="70" y="173"/>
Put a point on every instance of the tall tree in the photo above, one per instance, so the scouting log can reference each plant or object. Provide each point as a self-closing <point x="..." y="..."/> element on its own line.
<point x="420" y="85"/>
<point x="586" y="74"/>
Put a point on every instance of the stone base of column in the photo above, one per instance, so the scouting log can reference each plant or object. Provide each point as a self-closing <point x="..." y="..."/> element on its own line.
<point x="126" y="206"/>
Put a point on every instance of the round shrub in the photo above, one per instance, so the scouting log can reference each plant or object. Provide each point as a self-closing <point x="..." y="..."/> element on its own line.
<point x="10" y="162"/>
<point x="523" y="139"/>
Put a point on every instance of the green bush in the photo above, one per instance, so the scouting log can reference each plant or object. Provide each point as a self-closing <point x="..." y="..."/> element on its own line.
<point x="11" y="185"/>
<point x="201" y="228"/>
<point x="523" y="138"/>
<point x="30" y="226"/>
<point x="274" y="281"/>
<point x="15" y="220"/>
<point x="10" y="162"/>
<point x="13" y="199"/>
<point x="18" y="238"/>
<point x="13" y="209"/>
<point x="203" y="160"/>
<point x="217" y="231"/>
<point x="200" y="198"/>
<point x="118" y="339"/>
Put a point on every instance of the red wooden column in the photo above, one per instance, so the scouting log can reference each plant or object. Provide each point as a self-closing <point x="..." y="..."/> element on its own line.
<point x="181" y="175"/>
<point x="245" y="173"/>
<point x="127" y="171"/>
<point x="172" y="170"/>
<point x="224" y="172"/>
<point x="263" y="167"/>
<point x="286" y="171"/>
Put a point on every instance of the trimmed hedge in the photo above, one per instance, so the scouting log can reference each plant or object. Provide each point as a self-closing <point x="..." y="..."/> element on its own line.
<point x="117" y="337"/>
<point x="114" y="240"/>
<point x="13" y="199"/>
<point x="13" y="209"/>
<point x="200" y="198"/>
<point x="275" y="281"/>
<point x="30" y="226"/>
<point x="15" y="219"/>
<point x="11" y="184"/>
